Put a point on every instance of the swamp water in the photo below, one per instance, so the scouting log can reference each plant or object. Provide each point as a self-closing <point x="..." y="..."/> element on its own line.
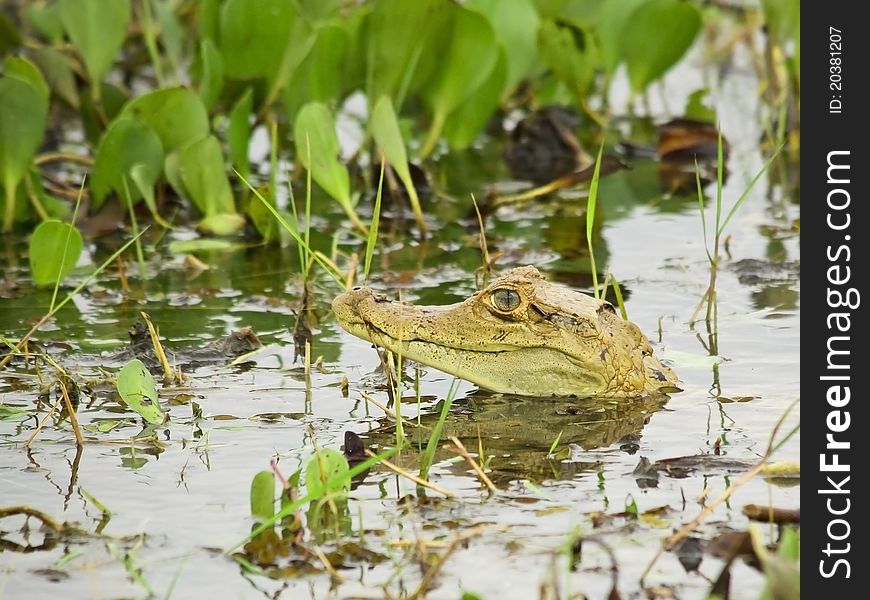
<point x="180" y="500"/>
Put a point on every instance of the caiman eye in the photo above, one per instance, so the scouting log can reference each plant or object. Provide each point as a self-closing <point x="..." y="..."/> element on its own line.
<point x="505" y="299"/>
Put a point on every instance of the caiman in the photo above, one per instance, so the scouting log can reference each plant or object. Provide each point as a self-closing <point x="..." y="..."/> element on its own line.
<point x="521" y="335"/>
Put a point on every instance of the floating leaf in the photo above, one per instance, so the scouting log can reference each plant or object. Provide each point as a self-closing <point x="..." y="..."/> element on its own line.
<point x="55" y="248"/>
<point x="656" y="36"/>
<point x="22" y="125"/>
<point x="327" y="472"/>
<point x="201" y="244"/>
<point x="126" y="144"/>
<point x="177" y="116"/>
<point x="385" y="130"/>
<point x="263" y="496"/>
<point x="459" y="76"/>
<point x="97" y="29"/>
<point x="315" y="130"/>
<point x="239" y="132"/>
<point x="138" y="390"/>
<point x="201" y="169"/>
<point x="254" y="36"/>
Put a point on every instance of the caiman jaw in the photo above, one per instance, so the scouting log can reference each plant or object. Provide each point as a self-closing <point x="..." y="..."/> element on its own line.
<point x="522" y="335"/>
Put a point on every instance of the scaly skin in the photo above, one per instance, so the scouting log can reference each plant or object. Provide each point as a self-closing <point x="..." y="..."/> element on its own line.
<point x="521" y="335"/>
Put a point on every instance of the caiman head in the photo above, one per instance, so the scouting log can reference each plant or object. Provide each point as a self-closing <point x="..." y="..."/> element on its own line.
<point x="521" y="335"/>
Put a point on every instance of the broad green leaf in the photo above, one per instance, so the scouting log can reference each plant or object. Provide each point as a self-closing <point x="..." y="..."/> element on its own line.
<point x="613" y="19"/>
<point x="176" y="115"/>
<point x="22" y="125"/>
<point x="211" y="73"/>
<point x="326" y="472"/>
<point x="697" y="109"/>
<point x="658" y="34"/>
<point x="94" y="117"/>
<point x="517" y="31"/>
<point x="97" y="29"/>
<point x="319" y="10"/>
<point x="201" y="169"/>
<point x="460" y="76"/>
<point x="571" y="53"/>
<point x="263" y="496"/>
<point x="17" y="66"/>
<point x="58" y="74"/>
<point x="314" y="130"/>
<point x="388" y="137"/>
<point x="208" y="19"/>
<point x="321" y="75"/>
<point x="172" y="34"/>
<point x="239" y="132"/>
<point x="45" y="20"/>
<point x="55" y="248"/>
<point x="465" y="123"/>
<point x="138" y="390"/>
<point x="127" y="144"/>
<point x="782" y="18"/>
<point x="396" y="33"/>
<point x="254" y="35"/>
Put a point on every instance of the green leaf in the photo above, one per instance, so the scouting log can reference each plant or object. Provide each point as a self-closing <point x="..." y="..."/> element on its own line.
<point x="211" y="73"/>
<point x="397" y="31"/>
<point x="138" y="390"/>
<point x="263" y="496"/>
<point x="460" y="77"/>
<point x="254" y="36"/>
<point x="570" y="52"/>
<point x="315" y="129"/>
<point x="658" y="34"/>
<point x="239" y="132"/>
<point x="177" y="116"/>
<point x="55" y="248"/>
<point x="17" y="66"/>
<point x="326" y="473"/>
<point x="613" y="19"/>
<point x="388" y="137"/>
<point x="45" y="20"/>
<point x="58" y="74"/>
<point x="200" y="245"/>
<point x="97" y="29"/>
<point x="321" y="75"/>
<point x="465" y="123"/>
<point x="22" y="125"/>
<point x="201" y="169"/>
<point x="127" y="144"/>
<point x="517" y="32"/>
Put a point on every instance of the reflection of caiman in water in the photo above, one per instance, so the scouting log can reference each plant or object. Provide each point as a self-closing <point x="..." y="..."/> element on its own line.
<point x="521" y="335"/>
<point x="517" y="432"/>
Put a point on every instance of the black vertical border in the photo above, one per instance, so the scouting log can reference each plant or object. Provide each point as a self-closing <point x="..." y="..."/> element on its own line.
<point x="823" y="131"/>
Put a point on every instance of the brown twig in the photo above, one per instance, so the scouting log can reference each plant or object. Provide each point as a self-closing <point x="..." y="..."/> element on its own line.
<point x="400" y="471"/>
<point x="460" y="449"/>
<point x="73" y="419"/>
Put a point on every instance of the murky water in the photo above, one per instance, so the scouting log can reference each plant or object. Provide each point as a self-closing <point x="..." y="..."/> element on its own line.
<point x="176" y="506"/>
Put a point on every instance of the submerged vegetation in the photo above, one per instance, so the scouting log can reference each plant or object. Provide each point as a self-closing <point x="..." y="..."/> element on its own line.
<point x="131" y="130"/>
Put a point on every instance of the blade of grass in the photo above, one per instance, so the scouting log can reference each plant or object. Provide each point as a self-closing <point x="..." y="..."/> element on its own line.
<point x="293" y="233"/>
<point x="590" y="218"/>
<point x="66" y="243"/>
<point x="432" y="444"/>
<point x="373" y="229"/>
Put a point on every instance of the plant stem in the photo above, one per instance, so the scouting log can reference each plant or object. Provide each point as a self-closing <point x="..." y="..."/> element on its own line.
<point x="9" y="213"/>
